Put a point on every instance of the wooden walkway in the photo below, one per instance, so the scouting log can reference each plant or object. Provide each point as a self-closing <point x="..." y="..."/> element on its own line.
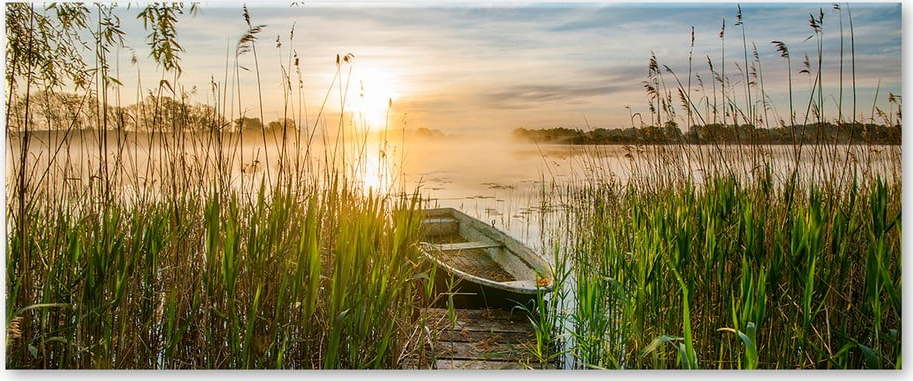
<point x="478" y="339"/>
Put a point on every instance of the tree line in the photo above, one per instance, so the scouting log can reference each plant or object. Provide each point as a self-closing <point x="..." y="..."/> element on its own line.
<point x="670" y="133"/>
<point x="61" y="111"/>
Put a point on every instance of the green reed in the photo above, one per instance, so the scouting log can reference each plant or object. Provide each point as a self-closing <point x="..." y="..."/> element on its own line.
<point x="113" y="262"/>
<point x="737" y="275"/>
<point x="284" y="281"/>
<point x="761" y="263"/>
<point x="309" y="271"/>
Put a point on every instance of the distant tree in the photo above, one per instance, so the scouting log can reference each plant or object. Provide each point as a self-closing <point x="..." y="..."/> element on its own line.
<point x="429" y="133"/>
<point x="278" y="126"/>
<point x="671" y="132"/>
<point x="248" y="124"/>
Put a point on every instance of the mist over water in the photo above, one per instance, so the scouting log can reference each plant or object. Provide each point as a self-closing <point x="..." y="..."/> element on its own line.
<point x="503" y="182"/>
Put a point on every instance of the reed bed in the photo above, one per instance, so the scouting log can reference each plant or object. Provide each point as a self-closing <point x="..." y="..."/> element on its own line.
<point x="167" y="235"/>
<point x="726" y="256"/>
<point x="324" y="280"/>
<point x="736" y="275"/>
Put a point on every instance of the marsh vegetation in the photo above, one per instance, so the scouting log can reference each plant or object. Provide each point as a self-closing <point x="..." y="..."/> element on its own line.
<point x="170" y="234"/>
<point x="719" y="256"/>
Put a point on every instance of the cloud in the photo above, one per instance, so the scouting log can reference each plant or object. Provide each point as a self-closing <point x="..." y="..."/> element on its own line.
<point x="500" y="66"/>
<point x="529" y="96"/>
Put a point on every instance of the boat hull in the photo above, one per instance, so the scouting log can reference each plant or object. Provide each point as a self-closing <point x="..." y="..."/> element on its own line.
<point x="480" y="266"/>
<point x="467" y="294"/>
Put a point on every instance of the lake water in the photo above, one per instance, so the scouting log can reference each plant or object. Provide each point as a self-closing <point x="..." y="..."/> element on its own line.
<point x="496" y="180"/>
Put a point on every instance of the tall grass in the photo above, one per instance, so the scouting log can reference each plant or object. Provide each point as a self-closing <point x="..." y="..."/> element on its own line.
<point x="211" y="281"/>
<point x="737" y="275"/>
<point x="157" y="241"/>
<point x="735" y="256"/>
<point x="152" y="237"/>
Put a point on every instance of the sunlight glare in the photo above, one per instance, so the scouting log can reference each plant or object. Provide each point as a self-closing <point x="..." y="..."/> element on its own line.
<point x="376" y="92"/>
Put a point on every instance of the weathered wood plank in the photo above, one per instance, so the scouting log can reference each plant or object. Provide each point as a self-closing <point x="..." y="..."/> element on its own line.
<point x="411" y="362"/>
<point x="482" y="351"/>
<point x="490" y="314"/>
<point x="476" y="321"/>
<point x="470" y="336"/>
<point x="440" y="226"/>
<point x="477" y="365"/>
<point x="467" y="245"/>
<point x="496" y="326"/>
<point x="475" y="262"/>
<point x="437" y="220"/>
<point x="481" y="339"/>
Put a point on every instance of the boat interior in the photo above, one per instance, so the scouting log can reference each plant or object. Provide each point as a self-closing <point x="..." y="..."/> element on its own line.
<point x="470" y="246"/>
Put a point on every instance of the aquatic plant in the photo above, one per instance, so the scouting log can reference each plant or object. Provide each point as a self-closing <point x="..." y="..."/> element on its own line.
<point x="710" y="256"/>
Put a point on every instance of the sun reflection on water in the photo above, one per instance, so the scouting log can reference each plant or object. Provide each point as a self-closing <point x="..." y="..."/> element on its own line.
<point x="375" y="170"/>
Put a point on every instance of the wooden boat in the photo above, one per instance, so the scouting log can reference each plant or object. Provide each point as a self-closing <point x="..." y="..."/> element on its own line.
<point x="493" y="269"/>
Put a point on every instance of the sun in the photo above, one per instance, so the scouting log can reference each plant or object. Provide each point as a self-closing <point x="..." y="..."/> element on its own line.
<point x="376" y="92"/>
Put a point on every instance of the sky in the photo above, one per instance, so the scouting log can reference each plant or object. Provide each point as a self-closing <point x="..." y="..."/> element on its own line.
<point x="474" y="68"/>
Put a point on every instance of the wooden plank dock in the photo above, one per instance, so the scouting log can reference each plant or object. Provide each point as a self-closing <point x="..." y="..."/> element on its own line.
<point x="479" y="339"/>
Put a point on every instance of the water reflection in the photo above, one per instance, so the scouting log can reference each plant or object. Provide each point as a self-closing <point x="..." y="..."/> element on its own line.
<point x="495" y="180"/>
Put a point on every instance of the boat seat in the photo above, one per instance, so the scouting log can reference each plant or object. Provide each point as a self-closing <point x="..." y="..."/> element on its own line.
<point x="439" y="220"/>
<point x="467" y="246"/>
<point x="440" y="226"/>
